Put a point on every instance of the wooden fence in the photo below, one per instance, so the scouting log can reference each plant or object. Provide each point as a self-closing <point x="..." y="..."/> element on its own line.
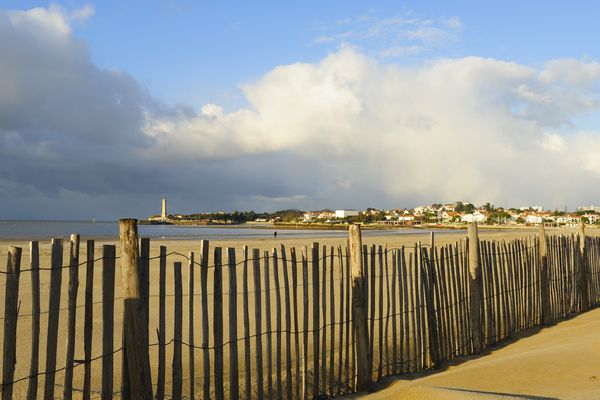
<point x="286" y="323"/>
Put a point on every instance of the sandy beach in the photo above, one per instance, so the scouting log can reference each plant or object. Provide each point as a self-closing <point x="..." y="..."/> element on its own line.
<point x="182" y="247"/>
<point x="558" y="362"/>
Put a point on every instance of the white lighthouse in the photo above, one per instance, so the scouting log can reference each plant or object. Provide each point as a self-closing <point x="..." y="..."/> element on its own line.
<point x="163" y="214"/>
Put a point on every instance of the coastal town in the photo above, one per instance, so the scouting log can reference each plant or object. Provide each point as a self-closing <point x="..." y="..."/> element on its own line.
<point x="448" y="215"/>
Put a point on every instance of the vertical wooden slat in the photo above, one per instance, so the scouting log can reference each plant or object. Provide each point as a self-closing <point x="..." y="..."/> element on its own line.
<point x="316" y="319"/>
<point x="386" y="336"/>
<point x="53" y="317"/>
<point x="582" y="270"/>
<point x="247" y="363"/>
<point x="204" y="245"/>
<point x="428" y="275"/>
<point x="233" y="337"/>
<point x="475" y="285"/>
<point x="288" y="325"/>
<point x="359" y="312"/>
<point x="88" y="319"/>
<point x="267" y="280"/>
<point x="296" y="323"/>
<point x="394" y="361"/>
<point x="343" y="322"/>
<point x="350" y="342"/>
<point x="371" y="303"/>
<point x="191" y="341"/>
<point x="218" y="323"/>
<point x="108" y="318"/>
<point x="277" y="324"/>
<point x="11" y="311"/>
<point x="144" y="261"/>
<point x="134" y="320"/>
<point x="332" y="318"/>
<point x="380" y="321"/>
<point x="323" y="344"/>
<point x="258" y="322"/>
<point x="406" y="314"/>
<point x="162" y="290"/>
<point x="72" y="312"/>
<point x="177" y="333"/>
<point x="34" y="257"/>
<point x="305" y="324"/>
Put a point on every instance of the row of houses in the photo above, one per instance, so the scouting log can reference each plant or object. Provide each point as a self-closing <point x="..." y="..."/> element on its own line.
<point x="460" y="213"/>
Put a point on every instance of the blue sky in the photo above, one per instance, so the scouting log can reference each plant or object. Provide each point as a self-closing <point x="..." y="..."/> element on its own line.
<point x="313" y="104"/>
<point x="197" y="51"/>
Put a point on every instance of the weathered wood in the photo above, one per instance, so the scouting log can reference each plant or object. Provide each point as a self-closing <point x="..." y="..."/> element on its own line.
<point x="350" y="341"/>
<point x="108" y="318"/>
<point x="359" y="312"/>
<point x="34" y="265"/>
<point x="177" y="366"/>
<point x="247" y="349"/>
<point x="288" y="325"/>
<point x="370" y="287"/>
<point x="162" y="290"/>
<point x="296" y="322"/>
<point x="88" y="320"/>
<point x="72" y="312"/>
<point x="428" y="275"/>
<point x="233" y="346"/>
<point x="134" y="319"/>
<point x="267" y="282"/>
<point x="332" y="318"/>
<point x="476" y="288"/>
<point x="306" y="327"/>
<point x="386" y="334"/>
<point x="343" y="322"/>
<point x="218" y="323"/>
<point x="394" y="313"/>
<point x="316" y="320"/>
<point x="583" y="270"/>
<point x="323" y="327"/>
<point x="258" y="322"/>
<point x="204" y="245"/>
<point x="144" y="266"/>
<point x="53" y="317"/>
<point x="277" y="324"/>
<point x="191" y="341"/>
<point x="380" y="320"/>
<point x="11" y="311"/>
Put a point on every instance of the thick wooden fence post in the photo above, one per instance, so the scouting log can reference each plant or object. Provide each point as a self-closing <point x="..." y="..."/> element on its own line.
<point x="359" y="310"/>
<point x="11" y="310"/>
<point x="544" y="278"/>
<point x="134" y="318"/>
<point x="72" y="313"/>
<point x="476" y="288"/>
<point x="583" y="276"/>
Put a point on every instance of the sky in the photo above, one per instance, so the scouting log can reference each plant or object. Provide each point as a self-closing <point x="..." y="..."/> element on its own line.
<point x="105" y="107"/>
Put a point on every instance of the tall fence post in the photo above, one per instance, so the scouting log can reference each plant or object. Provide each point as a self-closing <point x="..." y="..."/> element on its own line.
<point x="476" y="288"/>
<point x="359" y="310"/>
<point x="583" y="276"/>
<point x="134" y="319"/>
<point x="544" y="278"/>
<point x="11" y="310"/>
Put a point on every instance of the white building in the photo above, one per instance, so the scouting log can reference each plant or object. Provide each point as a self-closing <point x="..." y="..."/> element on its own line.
<point x="534" y="219"/>
<point x="345" y="213"/>
<point x="475" y="217"/>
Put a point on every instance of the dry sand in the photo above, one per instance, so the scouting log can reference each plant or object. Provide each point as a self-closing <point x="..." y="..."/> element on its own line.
<point x="180" y="246"/>
<point x="559" y="362"/>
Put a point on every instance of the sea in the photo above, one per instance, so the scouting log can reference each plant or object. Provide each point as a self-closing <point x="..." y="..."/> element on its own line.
<point x="38" y="230"/>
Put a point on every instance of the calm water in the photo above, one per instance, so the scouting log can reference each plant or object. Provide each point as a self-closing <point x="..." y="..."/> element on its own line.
<point x="48" y="229"/>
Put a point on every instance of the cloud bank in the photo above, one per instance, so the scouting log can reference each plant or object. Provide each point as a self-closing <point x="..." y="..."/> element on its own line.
<point x="350" y="130"/>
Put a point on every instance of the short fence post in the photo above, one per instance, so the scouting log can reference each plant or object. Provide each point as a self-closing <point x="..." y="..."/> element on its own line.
<point x="544" y="278"/>
<point x="134" y="319"/>
<point x="11" y="310"/>
<point x="359" y="310"/>
<point x="583" y="276"/>
<point x="476" y="288"/>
